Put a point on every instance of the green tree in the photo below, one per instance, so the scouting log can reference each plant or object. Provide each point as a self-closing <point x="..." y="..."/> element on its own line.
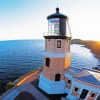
<point x="9" y="85"/>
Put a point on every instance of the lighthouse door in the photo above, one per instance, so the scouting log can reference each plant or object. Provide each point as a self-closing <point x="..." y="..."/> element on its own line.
<point x="57" y="77"/>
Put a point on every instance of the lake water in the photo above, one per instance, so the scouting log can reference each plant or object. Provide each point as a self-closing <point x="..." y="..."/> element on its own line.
<point x="21" y="56"/>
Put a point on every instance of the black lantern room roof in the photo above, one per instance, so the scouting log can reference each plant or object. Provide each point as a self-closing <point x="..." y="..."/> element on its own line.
<point x="57" y="15"/>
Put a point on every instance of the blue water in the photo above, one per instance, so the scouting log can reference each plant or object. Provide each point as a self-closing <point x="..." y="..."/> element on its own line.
<point x="21" y="56"/>
<point x="82" y="57"/>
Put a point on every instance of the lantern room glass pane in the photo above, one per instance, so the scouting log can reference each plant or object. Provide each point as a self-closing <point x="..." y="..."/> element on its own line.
<point x="53" y="26"/>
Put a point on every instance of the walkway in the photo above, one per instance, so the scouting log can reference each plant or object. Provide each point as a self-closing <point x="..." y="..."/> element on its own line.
<point x="29" y="77"/>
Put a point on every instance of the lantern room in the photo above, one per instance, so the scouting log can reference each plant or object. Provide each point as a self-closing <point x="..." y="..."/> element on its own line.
<point x="57" y="24"/>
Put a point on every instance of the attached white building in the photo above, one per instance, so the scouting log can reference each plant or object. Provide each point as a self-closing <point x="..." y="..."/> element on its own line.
<point x="82" y="84"/>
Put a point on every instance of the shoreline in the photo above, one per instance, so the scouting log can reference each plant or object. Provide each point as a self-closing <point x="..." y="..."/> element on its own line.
<point x="94" y="47"/>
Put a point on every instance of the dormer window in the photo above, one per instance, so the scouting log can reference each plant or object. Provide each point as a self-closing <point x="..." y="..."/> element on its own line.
<point x="92" y="95"/>
<point x="76" y="89"/>
<point x="69" y="82"/>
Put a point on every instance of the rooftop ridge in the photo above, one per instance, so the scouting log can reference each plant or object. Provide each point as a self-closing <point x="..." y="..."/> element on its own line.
<point x="94" y="70"/>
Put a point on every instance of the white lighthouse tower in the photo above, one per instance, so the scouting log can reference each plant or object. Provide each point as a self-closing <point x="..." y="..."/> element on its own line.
<point x="57" y="54"/>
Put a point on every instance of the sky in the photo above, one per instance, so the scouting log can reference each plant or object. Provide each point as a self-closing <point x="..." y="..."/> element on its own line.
<point x="27" y="19"/>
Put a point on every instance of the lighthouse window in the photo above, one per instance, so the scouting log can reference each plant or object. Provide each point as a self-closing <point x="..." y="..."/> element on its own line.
<point x="58" y="43"/>
<point x="53" y="26"/>
<point x="57" y="77"/>
<point x="47" y="62"/>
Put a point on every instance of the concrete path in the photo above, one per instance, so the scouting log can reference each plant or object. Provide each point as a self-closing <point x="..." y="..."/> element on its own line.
<point x="28" y="87"/>
<point x="29" y="77"/>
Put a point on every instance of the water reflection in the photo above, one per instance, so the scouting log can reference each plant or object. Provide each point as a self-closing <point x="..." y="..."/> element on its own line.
<point x="82" y="57"/>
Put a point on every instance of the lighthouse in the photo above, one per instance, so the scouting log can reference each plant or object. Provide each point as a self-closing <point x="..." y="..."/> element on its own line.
<point x="57" y="54"/>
